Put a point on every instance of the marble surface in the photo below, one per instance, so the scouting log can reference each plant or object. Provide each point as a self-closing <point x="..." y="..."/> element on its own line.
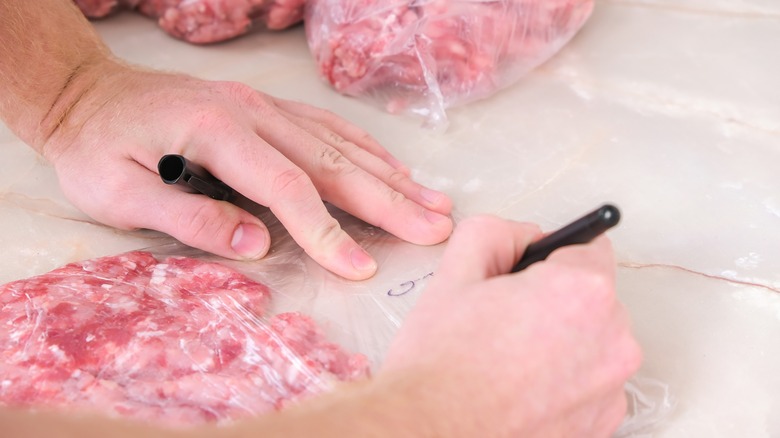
<point x="668" y="108"/>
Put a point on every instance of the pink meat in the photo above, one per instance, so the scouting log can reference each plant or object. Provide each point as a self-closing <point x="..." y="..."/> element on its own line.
<point x="206" y="21"/>
<point x="203" y="21"/>
<point x="407" y="52"/>
<point x="97" y="8"/>
<point x="180" y="342"/>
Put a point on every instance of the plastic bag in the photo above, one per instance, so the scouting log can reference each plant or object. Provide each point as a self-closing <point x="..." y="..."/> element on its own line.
<point x="205" y="21"/>
<point x="424" y="56"/>
<point x="174" y="336"/>
<point x="129" y="336"/>
<point x="178" y="341"/>
<point x="650" y="404"/>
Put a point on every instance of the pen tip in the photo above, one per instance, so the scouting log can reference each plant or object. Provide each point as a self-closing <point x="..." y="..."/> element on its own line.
<point x="609" y="215"/>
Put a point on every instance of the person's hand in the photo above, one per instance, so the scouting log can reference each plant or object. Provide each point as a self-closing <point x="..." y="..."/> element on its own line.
<point x="543" y="352"/>
<point x="285" y="155"/>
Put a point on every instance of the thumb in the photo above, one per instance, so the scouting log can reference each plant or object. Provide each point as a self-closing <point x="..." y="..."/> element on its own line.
<point x="215" y="226"/>
<point x="485" y="246"/>
<point x="196" y="220"/>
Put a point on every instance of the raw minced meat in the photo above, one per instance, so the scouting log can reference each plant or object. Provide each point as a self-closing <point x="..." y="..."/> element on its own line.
<point x="205" y="21"/>
<point x="179" y="341"/>
<point x="427" y="55"/>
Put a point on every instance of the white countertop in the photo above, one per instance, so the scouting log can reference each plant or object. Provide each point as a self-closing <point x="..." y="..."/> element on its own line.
<point x="668" y="108"/>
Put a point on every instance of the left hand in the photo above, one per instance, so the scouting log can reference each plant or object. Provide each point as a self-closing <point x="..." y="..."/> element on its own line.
<point x="285" y="155"/>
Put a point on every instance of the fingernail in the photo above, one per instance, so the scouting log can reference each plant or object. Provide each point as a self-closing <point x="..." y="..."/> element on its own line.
<point x="249" y="241"/>
<point x="361" y="260"/>
<point x="431" y="196"/>
<point x="434" y="217"/>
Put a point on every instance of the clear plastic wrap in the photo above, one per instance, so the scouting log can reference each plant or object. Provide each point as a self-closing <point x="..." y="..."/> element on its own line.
<point x="205" y="21"/>
<point x="174" y="336"/>
<point x="175" y="340"/>
<point x="424" y="56"/>
<point x="650" y="405"/>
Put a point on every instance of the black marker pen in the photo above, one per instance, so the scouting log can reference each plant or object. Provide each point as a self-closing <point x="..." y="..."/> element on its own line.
<point x="175" y="169"/>
<point x="582" y="230"/>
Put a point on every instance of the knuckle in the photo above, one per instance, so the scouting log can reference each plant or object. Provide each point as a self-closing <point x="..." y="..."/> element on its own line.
<point x="328" y="116"/>
<point x="396" y="178"/>
<point x="204" y="223"/>
<point x="587" y="290"/>
<point x="393" y="196"/>
<point x="327" y="233"/>
<point x="332" y="137"/>
<point x="244" y="94"/>
<point x="290" y="183"/>
<point x="212" y="118"/>
<point x="334" y="162"/>
<point x="239" y="90"/>
<point x="596" y="284"/>
<point x="365" y="138"/>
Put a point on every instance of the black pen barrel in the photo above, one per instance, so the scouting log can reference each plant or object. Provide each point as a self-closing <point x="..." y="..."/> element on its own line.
<point x="582" y="230"/>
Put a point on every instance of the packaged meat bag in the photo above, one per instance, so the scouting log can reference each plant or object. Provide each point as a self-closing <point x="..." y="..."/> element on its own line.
<point x="424" y="56"/>
<point x="172" y="336"/>
<point x="175" y="340"/>
<point x="205" y="21"/>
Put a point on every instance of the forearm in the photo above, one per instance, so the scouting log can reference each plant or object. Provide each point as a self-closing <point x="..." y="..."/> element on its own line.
<point x="381" y="408"/>
<point x="48" y="55"/>
<point x="22" y="423"/>
<point x="387" y="407"/>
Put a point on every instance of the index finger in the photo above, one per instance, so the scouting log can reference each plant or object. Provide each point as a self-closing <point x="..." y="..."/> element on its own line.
<point x="485" y="246"/>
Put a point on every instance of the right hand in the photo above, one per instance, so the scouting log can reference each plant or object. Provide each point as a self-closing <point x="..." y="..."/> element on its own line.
<point x="543" y="352"/>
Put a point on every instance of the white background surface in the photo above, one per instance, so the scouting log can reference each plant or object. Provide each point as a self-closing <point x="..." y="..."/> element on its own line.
<point x="669" y="109"/>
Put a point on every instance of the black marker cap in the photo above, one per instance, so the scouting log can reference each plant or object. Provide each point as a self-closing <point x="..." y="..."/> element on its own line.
<point x="175" y="169"/>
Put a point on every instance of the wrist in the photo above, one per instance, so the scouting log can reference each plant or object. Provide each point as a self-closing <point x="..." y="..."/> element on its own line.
<point x="42" y="74"/>
<point x="75" y="102"/>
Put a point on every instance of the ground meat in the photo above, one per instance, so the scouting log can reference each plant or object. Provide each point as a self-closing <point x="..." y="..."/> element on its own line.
<point x="408" y="53"/>
<point x="180" y="342"/>
<point x="205" y="21"/>
<point x="97" y="8"/>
